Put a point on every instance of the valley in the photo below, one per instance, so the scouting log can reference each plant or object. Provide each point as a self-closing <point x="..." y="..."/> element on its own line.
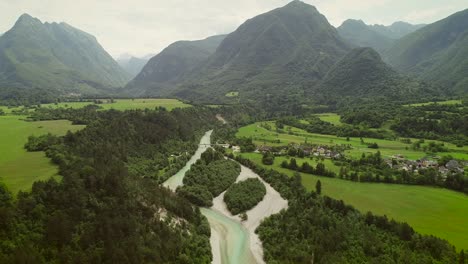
<point x="427" y="209"/>
<point x="295" y="137"/>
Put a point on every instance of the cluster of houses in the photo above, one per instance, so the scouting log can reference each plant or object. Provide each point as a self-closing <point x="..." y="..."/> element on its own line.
<point x="306" y="150"/>
<point x="399" y="162"/>
<point x="228" y="146"/>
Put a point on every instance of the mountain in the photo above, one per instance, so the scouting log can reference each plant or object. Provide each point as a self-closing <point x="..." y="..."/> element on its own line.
<point x="165" y="70"/>
<point x="362" y="35"/>
<point x="437" y="53"/>
<point x="396" y="30"/>
<point x="57" y="58"/>
<point x="362" y="73"/>
<point x="276" y="54"/>
<point x="132" y="65"/>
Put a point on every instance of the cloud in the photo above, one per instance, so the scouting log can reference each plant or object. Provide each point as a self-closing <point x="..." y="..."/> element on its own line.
<point x="140" y="27"/>
<point x="427" y="15"/>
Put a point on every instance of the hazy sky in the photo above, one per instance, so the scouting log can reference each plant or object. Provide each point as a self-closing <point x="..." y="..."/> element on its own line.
<point x="140" y="27"/>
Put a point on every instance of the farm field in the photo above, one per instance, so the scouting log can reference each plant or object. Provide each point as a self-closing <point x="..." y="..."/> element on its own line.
<point x="448" y="102"/>
<point x="126" y="104"/>
<point x="232" y="94"/>
<point x="19" y="168"/>
<point x="429" y="210"/>
<point x="332" y="118"/>
<point x="263" y="136"/>
<point x="257" y="157"/>
<point x="119" y="104"/>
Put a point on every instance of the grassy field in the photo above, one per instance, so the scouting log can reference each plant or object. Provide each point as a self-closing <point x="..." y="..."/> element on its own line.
<point x="435" y="211"/>
<point x="19" y="168"/>
<point x="330" y="118"/>
<point x="119" y="104"/>
<point x="257" y="157"/>
<point x="127" y="104"/>
<point x="448" y="102"/>
<point x="232" y="94"/>
<point x="8" y="110"/>
<point x="264" y="136"/>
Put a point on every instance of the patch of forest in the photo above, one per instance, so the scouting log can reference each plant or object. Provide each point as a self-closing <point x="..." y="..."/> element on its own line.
<point x="211" y="175"/>
<point x="244" y="195"/>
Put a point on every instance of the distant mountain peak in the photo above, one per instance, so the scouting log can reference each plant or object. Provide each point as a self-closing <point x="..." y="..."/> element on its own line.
<point x="400" y="23"/>
<point x="354" y="21"/>
<point x="297" y="3"/>
<point x="299" y="6"/>
<point x="27" y="20"/>
<point x="360" y="34"/>
<point x="56" y="57"/>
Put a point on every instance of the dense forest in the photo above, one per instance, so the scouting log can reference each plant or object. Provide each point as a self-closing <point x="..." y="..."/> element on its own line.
<point x="100" y="211"/>
<point x="431" y="121"/>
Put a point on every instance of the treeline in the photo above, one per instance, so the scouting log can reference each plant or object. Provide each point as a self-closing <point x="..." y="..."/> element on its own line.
<point x="316" y="125"/>
<point x="101" y="213"/>
<point x="244" y="195"/>
<point x="323" y="230"/>
<point x="211" y="175"/>
<point x="449" y="127"/>
<point x="432" y="121"/>
<point x="319" y="169"/>
<point x="25" y="96"/>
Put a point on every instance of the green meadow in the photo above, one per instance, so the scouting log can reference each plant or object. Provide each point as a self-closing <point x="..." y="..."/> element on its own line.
<point x="428" y="210"/>
<point x="118" y="104"/>
<point x="263" y="136"/>
<point x="19" y="168"/>
<point x="126" y="104"/>
<point x="330" y="118"/>
<point x="448" y="102"/>
<point x="232" y="94"/>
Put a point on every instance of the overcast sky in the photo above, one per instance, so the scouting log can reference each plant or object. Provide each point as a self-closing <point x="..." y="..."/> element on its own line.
<point x="141" y="27"/>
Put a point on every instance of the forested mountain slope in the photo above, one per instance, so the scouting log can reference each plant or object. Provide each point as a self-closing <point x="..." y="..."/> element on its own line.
<point x="362" y="73"/>
<point x="437" y="53"/>
<point x="274" y="54"/>
<point x="56" y="58"/>
<point x="166" y="70"/>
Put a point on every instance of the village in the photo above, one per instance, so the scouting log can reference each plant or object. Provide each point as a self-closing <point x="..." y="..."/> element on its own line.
<point x="398" y="162"/>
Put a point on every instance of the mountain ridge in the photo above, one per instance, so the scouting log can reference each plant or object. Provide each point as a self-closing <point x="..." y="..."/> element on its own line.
<point x="56" y="57"/>
<point x="164" y="70"/>
<point x="436" y="53"/>
<point x="361" y="35"/>
<point x="291" y="46"/>
<point x="362" y="73"/>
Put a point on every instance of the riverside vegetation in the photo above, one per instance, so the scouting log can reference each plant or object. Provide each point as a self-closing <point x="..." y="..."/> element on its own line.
<point x="244" y="195"/>
<point x="208" y="178"/>
<point x="101" y="212"/>
<point x="316" y="229"/>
